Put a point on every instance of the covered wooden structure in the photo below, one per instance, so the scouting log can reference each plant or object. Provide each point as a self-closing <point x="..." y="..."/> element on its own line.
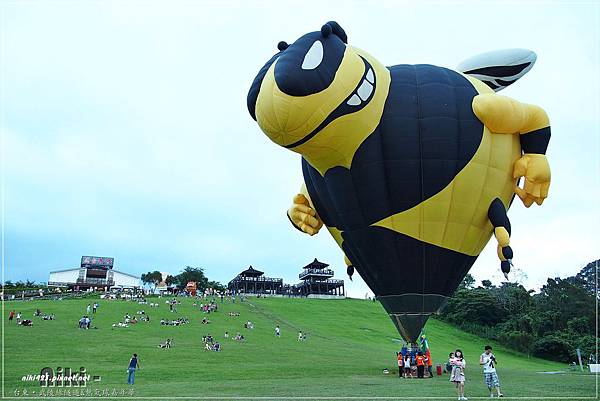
<point x="252" y="281"/>
<point x="317" y="280"/>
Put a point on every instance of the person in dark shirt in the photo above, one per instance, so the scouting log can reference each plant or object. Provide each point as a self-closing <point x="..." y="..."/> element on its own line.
<point x="133" y="365"/>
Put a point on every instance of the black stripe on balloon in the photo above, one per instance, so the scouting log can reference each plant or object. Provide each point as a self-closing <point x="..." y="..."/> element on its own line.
<point x="500" y="70"/>
<point x="536" y="141"/>
<point x="491" y="84"/>
<point x="342" y="109"/>
<point x="505" y="83"/>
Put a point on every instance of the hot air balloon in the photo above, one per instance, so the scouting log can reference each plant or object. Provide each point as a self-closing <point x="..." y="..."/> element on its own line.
<point x="411" y="168"/>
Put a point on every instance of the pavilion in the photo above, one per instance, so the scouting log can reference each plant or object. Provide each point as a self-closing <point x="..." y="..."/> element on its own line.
<point x="317" y="282"/>
<point x="252" y="281"/>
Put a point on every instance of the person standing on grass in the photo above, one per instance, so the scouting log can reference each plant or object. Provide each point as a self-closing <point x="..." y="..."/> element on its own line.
<point x="88" y="309"/>
<point x="133" y="365"/>
<point x="429" y="363"/>
<point x="18" y="317"/>
<point x="11" y="316"/>
<point x="400" y="364"/>
<point x="95" y="307"/>
<point x="458" y="373"/>
<point x="420" y="365"/>
<point x="407" y="371"/>
<point x="277" y="331"/>
<point x="490" y="377"/>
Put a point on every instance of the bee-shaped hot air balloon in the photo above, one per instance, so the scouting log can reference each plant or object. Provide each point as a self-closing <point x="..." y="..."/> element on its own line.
<point x="411" y="168"/>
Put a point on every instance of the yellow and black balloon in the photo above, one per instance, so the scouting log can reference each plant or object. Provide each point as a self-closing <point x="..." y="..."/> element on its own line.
<point x="411" y="168"/>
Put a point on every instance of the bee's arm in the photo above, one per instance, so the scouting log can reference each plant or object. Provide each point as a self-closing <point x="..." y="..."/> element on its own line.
<point x="503" y="115"/>
<point x="302" y="213"/>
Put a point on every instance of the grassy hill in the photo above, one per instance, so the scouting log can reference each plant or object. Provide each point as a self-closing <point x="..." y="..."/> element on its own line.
<point x="349" y="343"/>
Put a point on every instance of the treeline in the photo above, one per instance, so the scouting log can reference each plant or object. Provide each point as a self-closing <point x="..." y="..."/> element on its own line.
<point x="551" y="323"/>
<point x="180" y="280"/>
<point x="23" y="284"/>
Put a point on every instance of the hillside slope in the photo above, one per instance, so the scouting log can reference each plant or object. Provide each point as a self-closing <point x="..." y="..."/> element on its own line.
<point x="349" y="343"/>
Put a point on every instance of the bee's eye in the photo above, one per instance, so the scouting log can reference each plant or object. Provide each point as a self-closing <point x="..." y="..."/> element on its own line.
<point x="313" y="56"/>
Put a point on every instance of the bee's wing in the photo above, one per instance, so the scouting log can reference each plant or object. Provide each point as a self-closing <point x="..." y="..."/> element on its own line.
<point x="499" y="68"/>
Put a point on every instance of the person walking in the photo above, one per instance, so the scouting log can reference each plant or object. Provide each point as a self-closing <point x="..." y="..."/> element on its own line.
<point x="11" y="316"/>
<point x="490" y="377"/>
<point x="133" y="365"/>
<point x="458" y="373"/>
<point x="277" y="331"/>
<point x="88" y="309"/>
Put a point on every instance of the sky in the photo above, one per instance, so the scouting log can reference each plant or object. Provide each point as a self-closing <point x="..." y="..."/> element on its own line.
<point x="125" y="132"/>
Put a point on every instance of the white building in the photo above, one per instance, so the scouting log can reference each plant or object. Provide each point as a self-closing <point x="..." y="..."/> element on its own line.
<point x="88" y="277"/>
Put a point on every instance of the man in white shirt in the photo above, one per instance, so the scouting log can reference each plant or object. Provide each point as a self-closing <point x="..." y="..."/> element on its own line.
<point x="277" y="331"/>
<point x="488" y="361"/>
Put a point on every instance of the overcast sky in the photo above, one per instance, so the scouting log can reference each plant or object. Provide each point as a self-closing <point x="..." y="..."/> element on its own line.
<point x="125" y="131"/>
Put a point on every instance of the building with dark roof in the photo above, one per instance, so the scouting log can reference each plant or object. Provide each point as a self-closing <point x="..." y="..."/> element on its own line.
<point x="252" y="281"/>
<point x="317" y="282"/>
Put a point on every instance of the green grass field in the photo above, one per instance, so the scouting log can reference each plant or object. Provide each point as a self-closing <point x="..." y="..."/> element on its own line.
<point x="349" y="343"/>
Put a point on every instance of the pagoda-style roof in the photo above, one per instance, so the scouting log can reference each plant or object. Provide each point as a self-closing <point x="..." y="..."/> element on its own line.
<point x="315" y="264"/>
<point x="315" y="270"/>
<point x="251" y="272"/>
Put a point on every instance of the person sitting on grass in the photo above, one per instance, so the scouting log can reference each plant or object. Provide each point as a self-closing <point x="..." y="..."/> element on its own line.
<point x="205" y="321"/>
<point x="26" y="322"/>
<point x="217" y="346"/>
<point x="166" y="344"/>
<point x="207" y="347"/>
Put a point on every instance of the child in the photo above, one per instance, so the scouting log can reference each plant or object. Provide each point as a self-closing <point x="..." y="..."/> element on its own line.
<point x="458" y="373"/>
<point x="449" y="366"/>
<point x="407" y="371"/>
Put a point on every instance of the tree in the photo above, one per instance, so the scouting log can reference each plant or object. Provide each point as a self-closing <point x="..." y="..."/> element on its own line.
<point x="192" y="274"/>
<point x="468" y="282"/>
<point x="587" y="277"/>
<point x="216" y="286"/>
<point x="152" y="278"/>
<point x="487" y="284"/>
<point x="550" y="324"/>
<point x="170" y="280"/>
